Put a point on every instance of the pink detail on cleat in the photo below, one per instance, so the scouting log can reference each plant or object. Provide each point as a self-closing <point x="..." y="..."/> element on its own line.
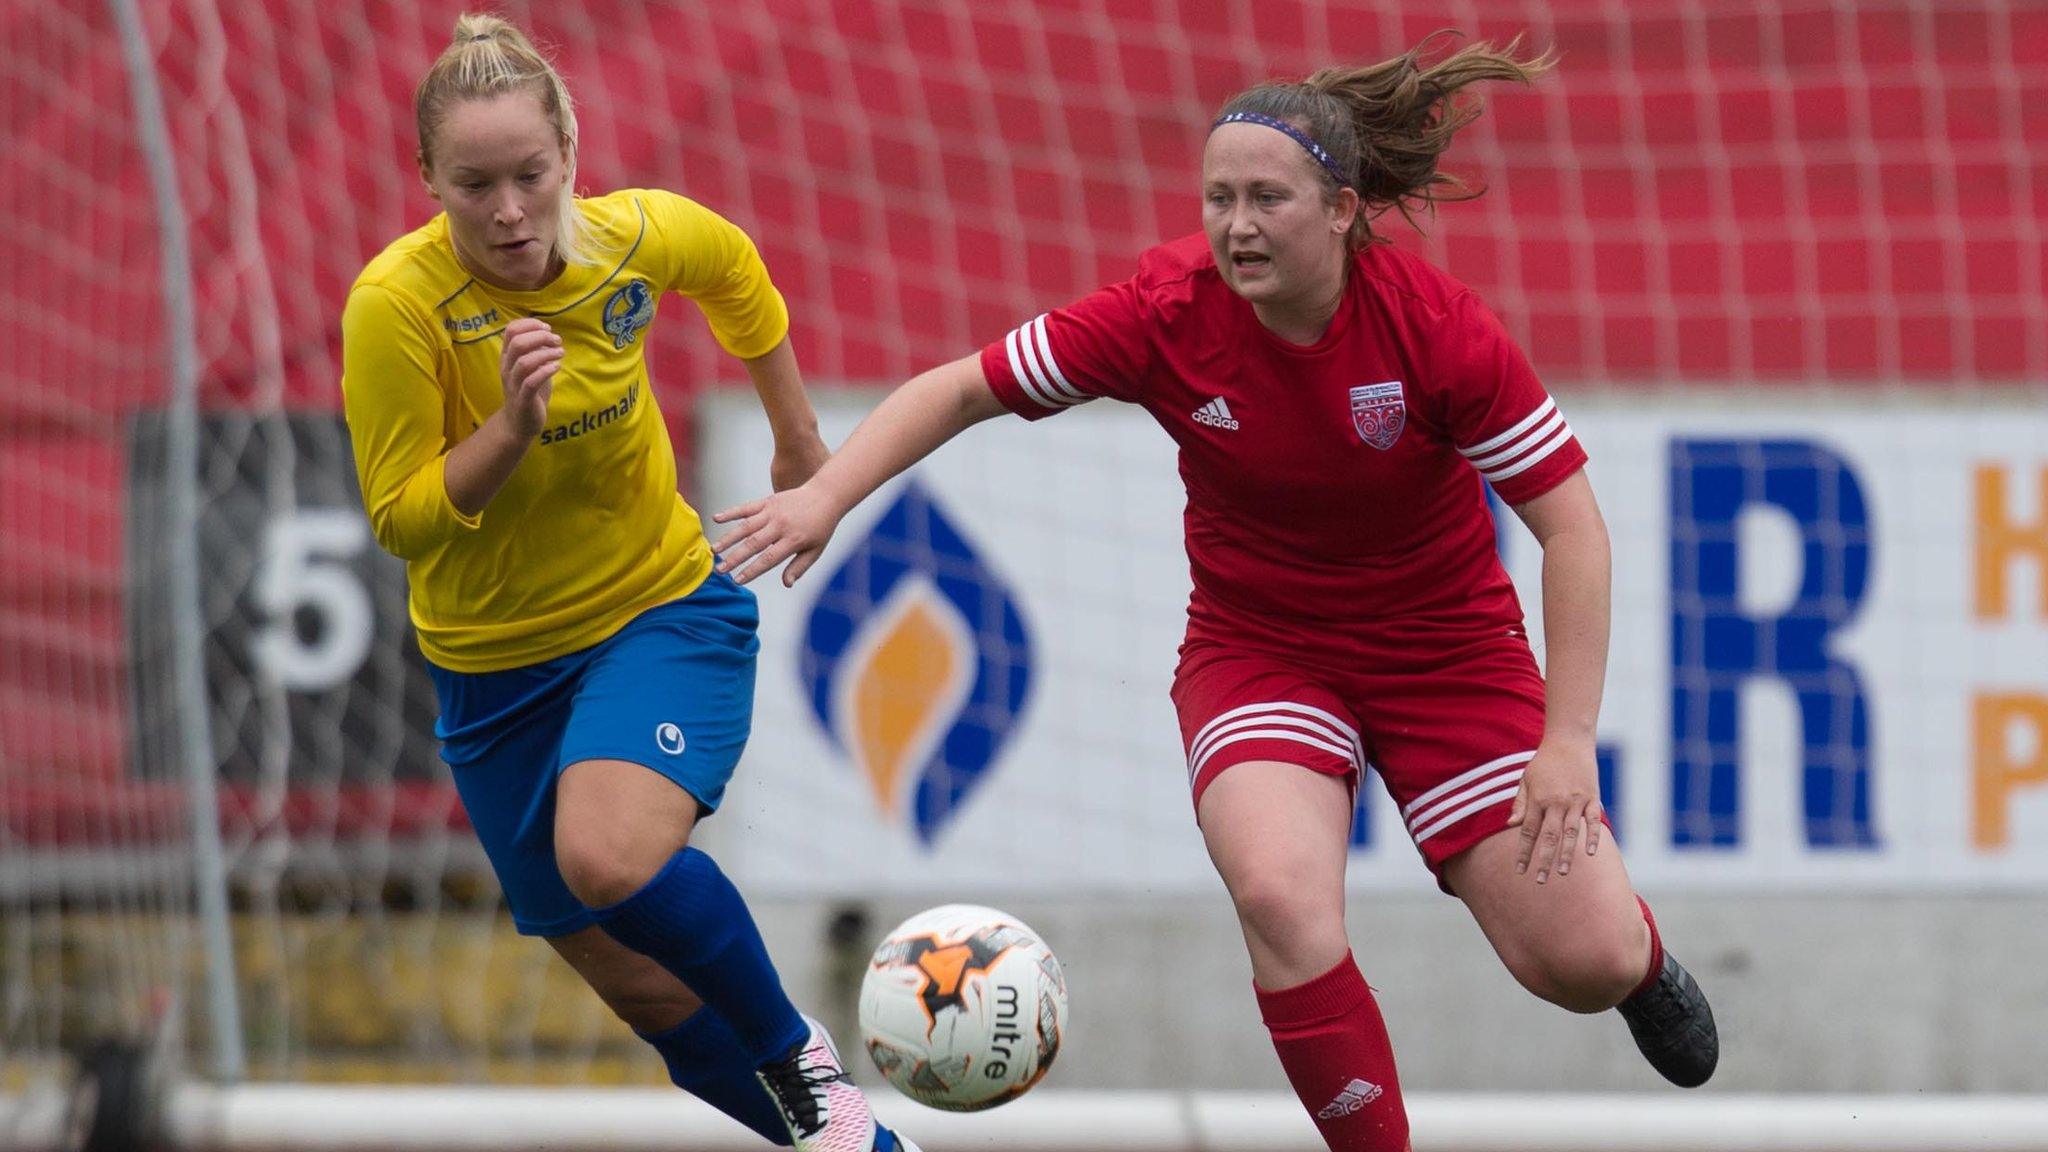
<point x="823" y="1109"/>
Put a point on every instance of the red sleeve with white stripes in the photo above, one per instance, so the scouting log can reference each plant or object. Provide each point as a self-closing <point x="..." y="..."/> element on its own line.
<point x="1499" y="415"/>
<point x="1096" y="346"/>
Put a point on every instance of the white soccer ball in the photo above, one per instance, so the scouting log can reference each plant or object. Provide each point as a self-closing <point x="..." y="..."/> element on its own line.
<point x="963" y="1007"/>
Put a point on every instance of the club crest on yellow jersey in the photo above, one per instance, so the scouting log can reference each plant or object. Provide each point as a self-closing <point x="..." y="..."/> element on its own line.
<point x="627" y="311"/>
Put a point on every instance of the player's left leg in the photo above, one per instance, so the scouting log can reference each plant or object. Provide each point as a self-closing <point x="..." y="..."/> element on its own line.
<point x="621" y="838"/>
<point x="1579" y="941"/>
<point x="1586" y="942"/>
<point x="1453" y="740"/>
<point x="660" y="719"/>
<point x="703" y="1054"/>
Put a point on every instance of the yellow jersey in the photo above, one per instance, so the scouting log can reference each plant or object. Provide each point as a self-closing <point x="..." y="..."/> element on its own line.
<point x="589" y="531"/>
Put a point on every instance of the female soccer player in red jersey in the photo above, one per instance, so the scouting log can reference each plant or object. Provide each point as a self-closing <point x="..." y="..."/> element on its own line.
<point x="1340" y="406"/>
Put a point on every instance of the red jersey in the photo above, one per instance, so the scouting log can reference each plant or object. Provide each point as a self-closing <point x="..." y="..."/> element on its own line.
<point x="1335" y="490"/>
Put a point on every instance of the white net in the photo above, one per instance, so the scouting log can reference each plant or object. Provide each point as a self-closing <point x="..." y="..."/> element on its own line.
<point x="93" y="847"/>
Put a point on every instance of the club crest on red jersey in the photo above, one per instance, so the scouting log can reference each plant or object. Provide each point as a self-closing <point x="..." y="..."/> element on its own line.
<point x="1379" y="413"/>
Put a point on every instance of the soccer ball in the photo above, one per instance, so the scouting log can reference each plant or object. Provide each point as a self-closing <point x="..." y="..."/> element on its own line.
<point x="963" y="1007"/>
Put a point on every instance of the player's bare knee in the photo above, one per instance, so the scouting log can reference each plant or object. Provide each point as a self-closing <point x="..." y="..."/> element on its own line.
<point x="1607" y="965"/>
<point x="1605" y="978"/>
<point x="1584" y="996"/>
<point x="1584" y="977"/>
<point x="1532" y="973"/>
<point x="602" y="872"/>
<point x="1277" y="910"/>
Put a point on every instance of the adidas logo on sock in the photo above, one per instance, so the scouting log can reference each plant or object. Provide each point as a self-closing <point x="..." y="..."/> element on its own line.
<point x="1216" y="414"/>
<point x="1355" y="1095"/>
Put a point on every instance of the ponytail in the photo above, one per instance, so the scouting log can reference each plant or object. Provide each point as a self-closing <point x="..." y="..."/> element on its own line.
<point x="1384" y="125"/>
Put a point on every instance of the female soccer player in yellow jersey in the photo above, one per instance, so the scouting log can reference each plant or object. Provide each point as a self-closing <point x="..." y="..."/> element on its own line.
<point x="595" y="674"/>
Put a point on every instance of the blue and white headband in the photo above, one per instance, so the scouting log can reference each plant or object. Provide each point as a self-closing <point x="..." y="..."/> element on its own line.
<point x="1308" y="143"/>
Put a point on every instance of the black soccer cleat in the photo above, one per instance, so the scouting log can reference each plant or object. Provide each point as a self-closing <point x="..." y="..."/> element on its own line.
<point x="1674" y="1026"/>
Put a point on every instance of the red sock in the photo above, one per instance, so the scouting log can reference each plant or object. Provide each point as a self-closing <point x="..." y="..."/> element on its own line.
<point x="1656" y="951"/>
<point x="1334" y="1047"/>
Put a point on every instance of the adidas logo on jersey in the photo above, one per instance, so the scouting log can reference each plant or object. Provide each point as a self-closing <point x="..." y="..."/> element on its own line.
<point x="1355" y="1095"/>
<point x="1216" y="414"/>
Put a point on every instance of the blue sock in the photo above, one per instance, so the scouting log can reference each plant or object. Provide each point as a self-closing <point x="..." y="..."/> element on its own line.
<point x="705" y="1059"/>
<point x="691" y="920"/>
<point x="885" y="1140"/>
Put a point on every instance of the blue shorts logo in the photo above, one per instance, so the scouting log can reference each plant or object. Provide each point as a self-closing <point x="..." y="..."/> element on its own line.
<point x="669" y="739"/>
<point x="917" y="663"/>
<point x="627" y="311"/>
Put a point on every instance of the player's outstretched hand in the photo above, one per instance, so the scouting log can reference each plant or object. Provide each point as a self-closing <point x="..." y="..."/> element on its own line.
<point x="1558" y="809"/>
<point x="527" y="364"/>
<point x="794" y="526"/>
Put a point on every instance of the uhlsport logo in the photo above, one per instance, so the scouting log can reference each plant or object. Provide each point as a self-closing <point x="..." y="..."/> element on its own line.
<point x="917" y="663"/>
<point x="627" y="311"/>
<point x="470" y="325"/>
<point x="669" y="738"/>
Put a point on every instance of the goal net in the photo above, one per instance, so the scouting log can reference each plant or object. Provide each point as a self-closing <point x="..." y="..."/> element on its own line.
<point x="1710" y="202"/>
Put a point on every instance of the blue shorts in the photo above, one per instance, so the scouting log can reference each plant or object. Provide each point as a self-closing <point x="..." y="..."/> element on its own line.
<point x="673" y="690"/>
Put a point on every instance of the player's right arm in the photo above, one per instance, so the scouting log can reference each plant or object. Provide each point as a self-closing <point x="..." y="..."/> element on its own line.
<point x="527" y="362"/>
<point x="419" y="492"/>
<point x="908" y="425"/>
<point x="1093" y="347"/>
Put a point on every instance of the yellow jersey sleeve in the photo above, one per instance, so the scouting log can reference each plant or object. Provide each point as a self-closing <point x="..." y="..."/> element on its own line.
<point x="714" y="263"/>
<point x="397" y="414"/>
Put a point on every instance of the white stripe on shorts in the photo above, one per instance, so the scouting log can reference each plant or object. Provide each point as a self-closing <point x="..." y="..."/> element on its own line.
<point x="1409" y="812"/>
<point x="1195" y="767"/>
<point x="1503" y="790"/>
<point x="1275" y="719"/>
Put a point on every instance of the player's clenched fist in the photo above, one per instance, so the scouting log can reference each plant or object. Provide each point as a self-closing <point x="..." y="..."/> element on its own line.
<point x="531" y="355"/>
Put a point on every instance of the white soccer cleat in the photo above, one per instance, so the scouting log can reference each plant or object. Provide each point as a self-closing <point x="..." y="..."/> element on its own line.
<point x="823" y="1109"/>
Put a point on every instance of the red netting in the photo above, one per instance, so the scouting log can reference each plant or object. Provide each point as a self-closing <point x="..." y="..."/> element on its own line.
<point x="1705" y="193"/>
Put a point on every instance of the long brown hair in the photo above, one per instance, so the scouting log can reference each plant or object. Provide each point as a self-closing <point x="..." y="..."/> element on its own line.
<point x="489" y="57"/>
<point x="1384" y="125"/>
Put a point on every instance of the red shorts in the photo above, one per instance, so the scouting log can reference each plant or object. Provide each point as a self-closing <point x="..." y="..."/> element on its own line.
<point x="1450" y="740"/>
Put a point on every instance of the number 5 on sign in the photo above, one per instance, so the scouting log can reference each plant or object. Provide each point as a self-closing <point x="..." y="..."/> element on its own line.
<point x="306" y="569"/>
